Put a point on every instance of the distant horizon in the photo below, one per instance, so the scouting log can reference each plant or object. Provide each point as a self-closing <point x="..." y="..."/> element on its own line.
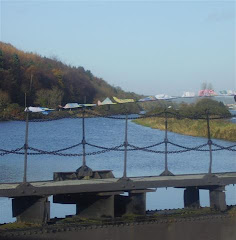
<point x="196" y="92"/>
<point x="150" y="48"/>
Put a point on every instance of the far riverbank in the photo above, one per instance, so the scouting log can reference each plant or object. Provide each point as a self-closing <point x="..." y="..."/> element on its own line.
<point x="220" y="129"/>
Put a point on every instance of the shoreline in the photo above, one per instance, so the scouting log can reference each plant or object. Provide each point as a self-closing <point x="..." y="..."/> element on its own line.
<point x="220" y="129"/>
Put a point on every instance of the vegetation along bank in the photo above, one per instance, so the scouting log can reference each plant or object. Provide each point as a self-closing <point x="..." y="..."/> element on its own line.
<point x="47" y="82"/>
<point x="220" y="128"/>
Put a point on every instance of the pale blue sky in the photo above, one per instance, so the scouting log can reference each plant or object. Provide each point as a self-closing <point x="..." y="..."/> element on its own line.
<point x="148" y="47"/>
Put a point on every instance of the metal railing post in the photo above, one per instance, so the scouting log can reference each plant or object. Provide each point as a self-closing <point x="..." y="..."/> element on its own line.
<point x="83" y="139"/>
<point x="166" y="142"/>
<point x="26" y="145"/>
<point x="209" y="142"/>
<point x="166" y="171"/>
<point x="125" y="145"/>
<point x="84" y="170"/>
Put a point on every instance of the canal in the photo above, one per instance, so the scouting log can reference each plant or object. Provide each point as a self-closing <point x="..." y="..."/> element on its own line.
<point x="59" y="134"/>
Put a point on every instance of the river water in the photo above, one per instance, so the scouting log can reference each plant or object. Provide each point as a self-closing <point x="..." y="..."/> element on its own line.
<point x="106" y="132"/>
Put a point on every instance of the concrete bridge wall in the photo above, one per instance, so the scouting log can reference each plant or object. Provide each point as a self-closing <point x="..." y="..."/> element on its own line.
<point x="199" y="228"/>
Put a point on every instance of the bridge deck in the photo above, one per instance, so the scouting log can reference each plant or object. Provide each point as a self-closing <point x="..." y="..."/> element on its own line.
<point x="114" y="184"/>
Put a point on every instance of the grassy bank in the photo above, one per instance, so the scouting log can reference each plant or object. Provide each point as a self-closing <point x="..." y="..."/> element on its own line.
<point x="220" y="129"/>
<point x="158" y="215"/>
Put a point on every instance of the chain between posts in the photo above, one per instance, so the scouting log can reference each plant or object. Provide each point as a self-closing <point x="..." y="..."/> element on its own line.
<point x="160" y="114"/>
<point x="117" y="148"/>
<point x="230" y="148"/>
<point x="121" y="117"/>
<point x="43" y="152"/>
<point x="6" y="152"/>
<point x="125" y="144"/>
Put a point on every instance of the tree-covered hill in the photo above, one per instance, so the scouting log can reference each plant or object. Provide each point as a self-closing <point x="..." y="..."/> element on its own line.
<point x="48" y="82"/>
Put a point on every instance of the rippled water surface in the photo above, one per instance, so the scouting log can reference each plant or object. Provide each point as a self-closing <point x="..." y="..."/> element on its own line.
<point x="106" y="132"/>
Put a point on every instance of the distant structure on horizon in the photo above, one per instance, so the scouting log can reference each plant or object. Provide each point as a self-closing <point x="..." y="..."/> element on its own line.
<point x="188" y="94"/>
<point x="209" y="93"/>
<point x="227" y="93"/>
<point x="162" y="97"/>
<point x="206" y="93"/>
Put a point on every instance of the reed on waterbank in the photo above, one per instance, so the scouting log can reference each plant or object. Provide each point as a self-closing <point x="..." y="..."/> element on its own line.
<point x="220" y="129"/>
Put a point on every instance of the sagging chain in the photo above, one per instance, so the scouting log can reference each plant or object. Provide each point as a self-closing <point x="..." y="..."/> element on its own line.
<point x="230" y="148"/>
<point x="117" y="148"/>
<point x="6" y="152"/>
<point x="37" y="151"/>
<point x="57" y="153"/>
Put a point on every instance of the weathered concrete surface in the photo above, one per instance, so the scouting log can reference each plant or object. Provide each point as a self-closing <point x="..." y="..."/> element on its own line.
<point x="203" y="228"/>
<point x="217" y="198"/>
<point x="95" y="206"/>
<point x="99" y="174"/>
<point x="31" y="209"/>
<point x="134" y="203"/>
<point x="191" y="197"/>
<point x="76" y="191"/>
<point x="113" y="184"/>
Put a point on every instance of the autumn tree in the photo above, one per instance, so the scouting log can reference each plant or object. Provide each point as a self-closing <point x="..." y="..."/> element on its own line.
<point x="4" y="99"/>
<point x="49" y="82"/>
<point x="49" y="98"/>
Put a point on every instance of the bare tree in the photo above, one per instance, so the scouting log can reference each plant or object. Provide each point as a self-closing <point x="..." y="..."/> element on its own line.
<point x="206" y="85"/>
<point x="49" y="98"/>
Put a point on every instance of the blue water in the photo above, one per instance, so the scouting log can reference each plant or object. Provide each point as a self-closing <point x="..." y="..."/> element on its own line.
<point x="106" y="132"/>
<point x="234" y="118"/>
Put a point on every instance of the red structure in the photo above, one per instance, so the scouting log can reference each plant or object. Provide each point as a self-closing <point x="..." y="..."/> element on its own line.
<point x="206" y="93"/>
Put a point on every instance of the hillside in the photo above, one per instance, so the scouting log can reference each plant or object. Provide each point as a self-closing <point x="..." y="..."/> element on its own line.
<point x="48" y="82"/>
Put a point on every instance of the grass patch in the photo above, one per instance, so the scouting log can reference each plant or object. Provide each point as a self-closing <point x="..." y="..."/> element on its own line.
<point x="220" y="129"/>
<point x="127" y="218"/>
<point x="18" y="225"/>
<point x="80" y="220"/>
